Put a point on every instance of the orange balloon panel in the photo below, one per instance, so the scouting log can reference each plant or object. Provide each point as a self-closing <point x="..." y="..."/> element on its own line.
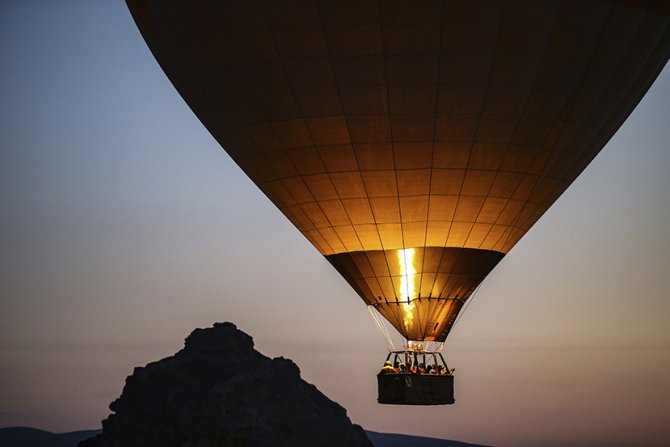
<point x="427" y="130"/>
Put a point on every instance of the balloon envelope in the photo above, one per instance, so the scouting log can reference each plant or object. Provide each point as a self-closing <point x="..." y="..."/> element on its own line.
<point x="412" y="143"/>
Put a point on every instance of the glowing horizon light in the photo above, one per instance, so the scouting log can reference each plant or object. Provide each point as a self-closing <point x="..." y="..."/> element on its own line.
<point x="407" y="287"/>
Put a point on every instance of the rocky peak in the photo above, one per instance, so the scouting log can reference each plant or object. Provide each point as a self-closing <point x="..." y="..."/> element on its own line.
<point x="219" y="391"/>
<point x="222" y="338"/>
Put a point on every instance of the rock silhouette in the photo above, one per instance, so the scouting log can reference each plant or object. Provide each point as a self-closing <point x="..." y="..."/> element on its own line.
<point x="219" y="391"/>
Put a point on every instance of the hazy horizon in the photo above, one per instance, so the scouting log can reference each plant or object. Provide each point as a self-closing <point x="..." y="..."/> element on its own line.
<point x="125" y="226"/>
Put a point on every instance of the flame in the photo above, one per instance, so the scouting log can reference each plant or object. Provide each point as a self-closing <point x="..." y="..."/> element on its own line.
<point x="407" y="287"/>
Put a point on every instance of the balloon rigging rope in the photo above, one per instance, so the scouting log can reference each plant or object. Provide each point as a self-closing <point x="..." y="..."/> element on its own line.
<point x="381" y="327"/>
<point x="389" y="341"/>
<point x="467" y="303"/>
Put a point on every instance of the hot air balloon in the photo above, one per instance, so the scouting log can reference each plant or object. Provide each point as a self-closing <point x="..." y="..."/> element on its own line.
<point x="413" y="143"/>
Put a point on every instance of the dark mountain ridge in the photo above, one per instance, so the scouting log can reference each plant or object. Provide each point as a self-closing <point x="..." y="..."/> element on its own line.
<point x="32" y="437"/>
<point x="398" y="440"/>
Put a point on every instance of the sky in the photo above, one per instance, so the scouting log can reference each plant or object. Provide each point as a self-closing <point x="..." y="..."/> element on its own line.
<point x="124" y="226"/>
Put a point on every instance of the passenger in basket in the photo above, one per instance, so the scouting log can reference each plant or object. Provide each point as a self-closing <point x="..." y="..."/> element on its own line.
<point x="412" y="368"/>
<point x="387" y="368"/>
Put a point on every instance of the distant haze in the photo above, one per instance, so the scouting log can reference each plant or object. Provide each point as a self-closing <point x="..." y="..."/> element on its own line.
<point x="123" y="226"/>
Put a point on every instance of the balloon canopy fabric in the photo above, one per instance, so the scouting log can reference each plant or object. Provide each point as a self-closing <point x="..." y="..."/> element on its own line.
<point x="412" y="142"/>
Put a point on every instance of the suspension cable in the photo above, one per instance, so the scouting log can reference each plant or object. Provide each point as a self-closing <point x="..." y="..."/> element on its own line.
<point x="467" y="303"/>
<point x="382" y="328"/>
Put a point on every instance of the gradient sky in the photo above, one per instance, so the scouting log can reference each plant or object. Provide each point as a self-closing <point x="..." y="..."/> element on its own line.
<point x="123" y="226"/>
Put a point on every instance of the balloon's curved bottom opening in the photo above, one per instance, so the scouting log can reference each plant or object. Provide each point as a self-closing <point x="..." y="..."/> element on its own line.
<point x="408" y="389"/>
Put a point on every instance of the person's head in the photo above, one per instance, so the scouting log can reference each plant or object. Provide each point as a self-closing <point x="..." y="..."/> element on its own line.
<point x="402" y="367"/>
<point x="387" y="363"/>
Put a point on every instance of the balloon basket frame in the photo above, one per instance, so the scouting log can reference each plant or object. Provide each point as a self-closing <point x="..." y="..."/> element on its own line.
<point x="411" y="385"/>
